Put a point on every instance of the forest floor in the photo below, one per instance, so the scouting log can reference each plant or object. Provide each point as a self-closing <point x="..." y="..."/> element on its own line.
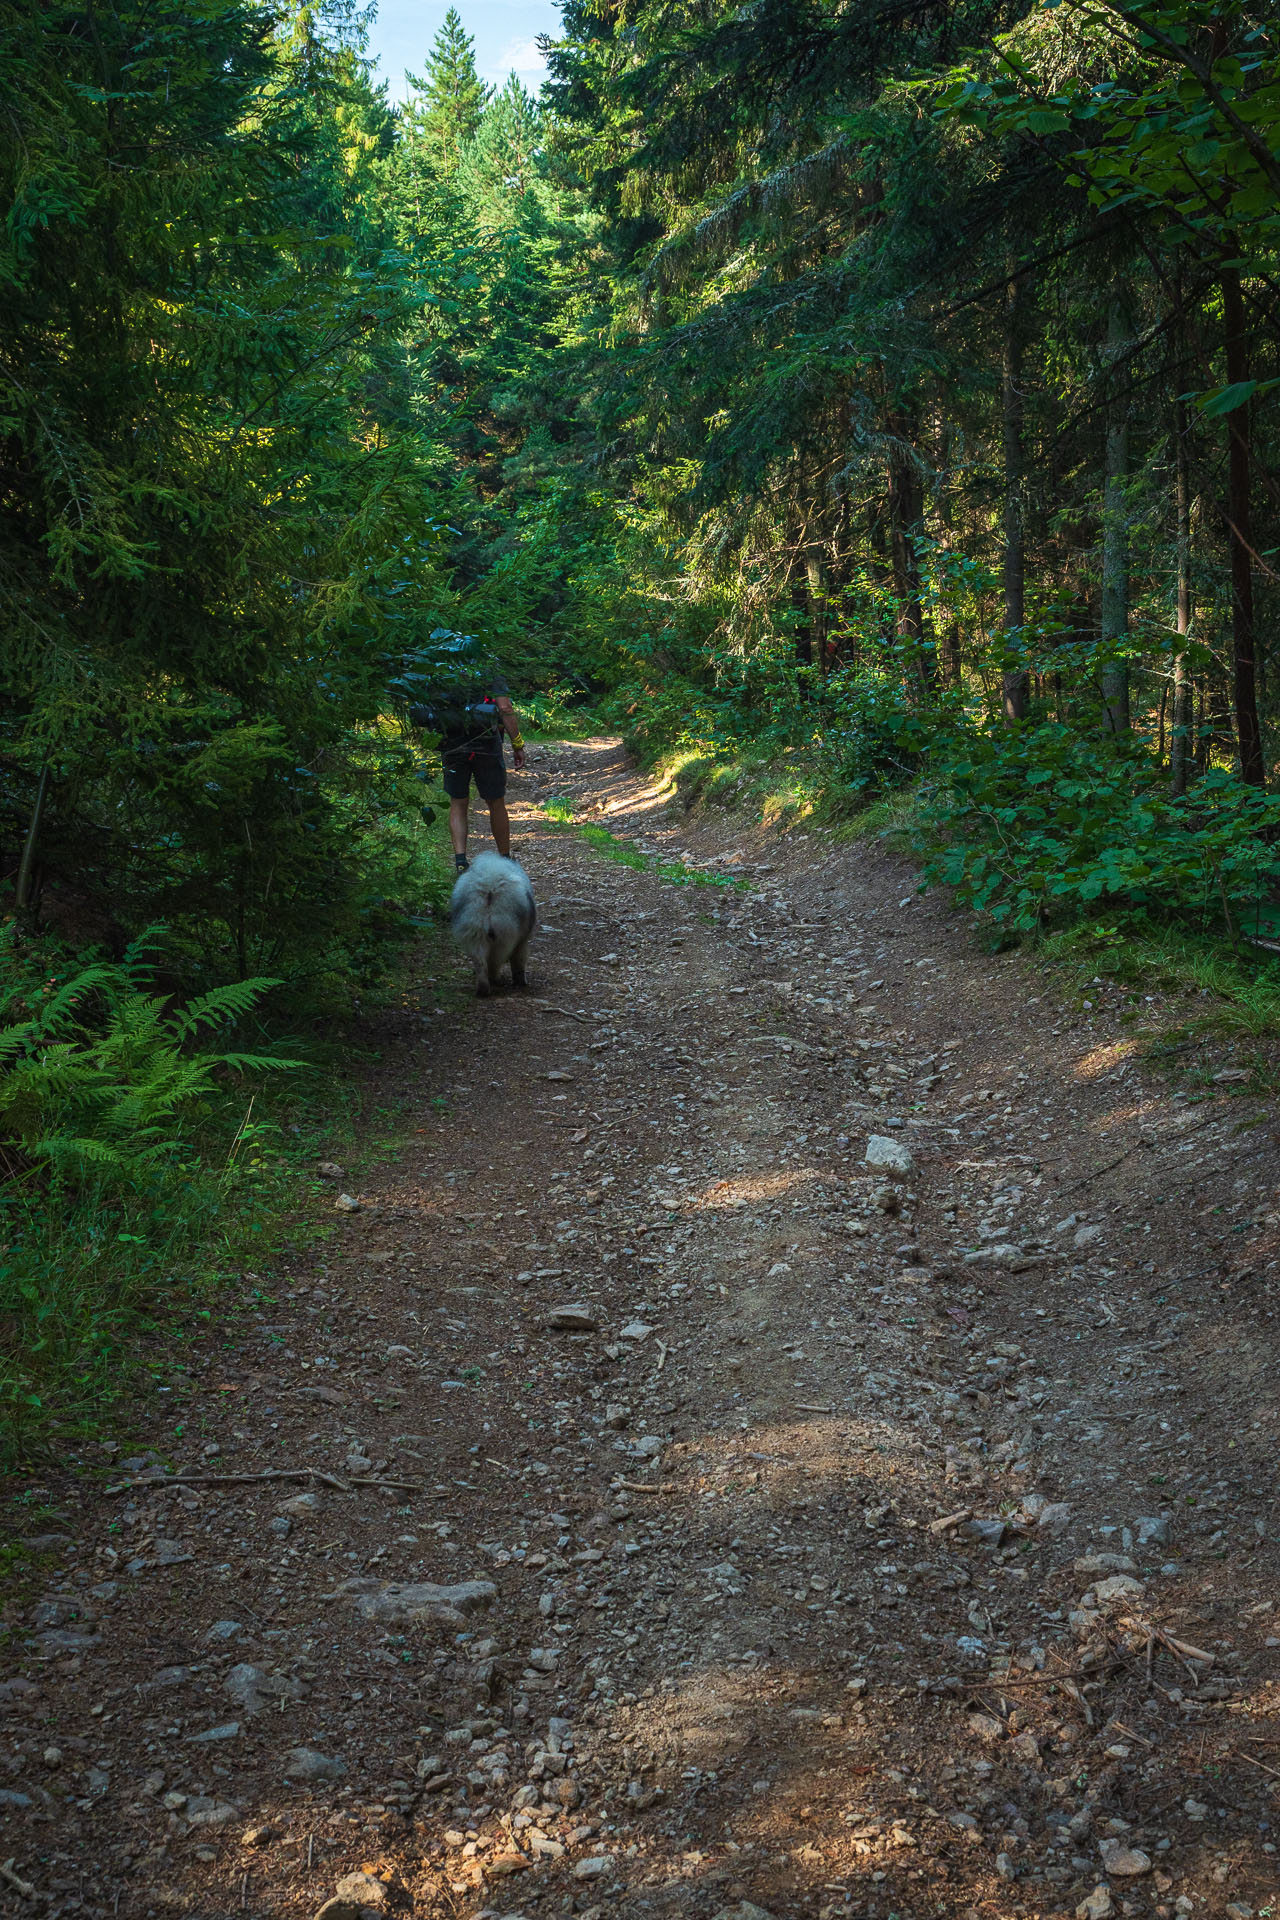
<point x="868" y="1542"/>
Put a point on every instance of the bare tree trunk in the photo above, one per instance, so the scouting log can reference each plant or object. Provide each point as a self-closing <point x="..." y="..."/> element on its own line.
<point x="803" y="628"/>
<point x="1115" y="537"/>
<point x="1015" y="681"/>
<point x="1243" y="657"/>
<point x="1182" y="691"/>
<point x="25" y="888"/>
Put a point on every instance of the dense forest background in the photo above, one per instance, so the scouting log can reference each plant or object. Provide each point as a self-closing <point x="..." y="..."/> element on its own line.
<point x="848" y="401"/>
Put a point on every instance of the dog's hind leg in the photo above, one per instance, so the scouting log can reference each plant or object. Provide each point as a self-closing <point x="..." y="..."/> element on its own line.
<point x="519" y="959"/>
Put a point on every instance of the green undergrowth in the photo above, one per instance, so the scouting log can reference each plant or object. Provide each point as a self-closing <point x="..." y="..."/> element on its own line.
<point x="153" y="1151"/>
<point x="559" y="813"/>
<point x="1230" y="984"/>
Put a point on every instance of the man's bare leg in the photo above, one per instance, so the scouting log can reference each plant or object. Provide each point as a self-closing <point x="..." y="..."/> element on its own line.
<point x="500" y="822"/>
<point x="458" y="827"/>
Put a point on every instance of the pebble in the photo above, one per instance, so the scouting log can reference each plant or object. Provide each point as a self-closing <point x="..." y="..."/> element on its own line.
<point x="224" y="1630"/>
<point x="203" y="1811"/>
<point x="1096" y="1905"/>
<point x="635" y="1330"/>
<point x="229" y="1730"/>
<point x="347" y="1203"/>
<point x="593" y="1866"/>
<point x="304" y="1763"/>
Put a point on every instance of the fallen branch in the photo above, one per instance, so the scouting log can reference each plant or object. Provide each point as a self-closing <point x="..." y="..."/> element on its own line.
<point x="638" y="1486"/>
<point x="253" y="1479"/>
<point x="570" y="1013"/>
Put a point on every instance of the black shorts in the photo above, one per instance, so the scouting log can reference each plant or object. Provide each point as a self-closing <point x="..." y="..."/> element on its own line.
<point x="488" y="770"/>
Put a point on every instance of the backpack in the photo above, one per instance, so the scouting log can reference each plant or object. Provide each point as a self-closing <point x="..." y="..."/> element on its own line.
<point x="462" y="717"/>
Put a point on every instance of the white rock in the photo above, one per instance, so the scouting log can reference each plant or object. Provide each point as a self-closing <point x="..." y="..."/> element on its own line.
<point x="1096" y="1905"/>
<point x="893" y="1155"/>
<point x="1121" y="1586"/>
<point x="636" y="1330"/>
<point x="593" y="1866"/>
<point x="362" y="1888"/>
<point x="574" y="1318"/>
<point x="347" y="1203"/>
<point x="424" y="1600"/>
<point x="1086" y="1236"/>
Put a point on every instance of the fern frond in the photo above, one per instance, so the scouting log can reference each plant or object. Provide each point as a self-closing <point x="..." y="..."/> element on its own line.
<point x="221" y="1004"/>
<point x="258" y="1063"/>
<point x="61" y="1149"/>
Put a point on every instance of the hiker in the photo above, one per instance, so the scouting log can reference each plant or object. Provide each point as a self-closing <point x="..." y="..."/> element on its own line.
<point x="471" y="718"/>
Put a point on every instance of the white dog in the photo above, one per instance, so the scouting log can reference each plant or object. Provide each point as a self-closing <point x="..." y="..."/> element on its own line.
<point x="493" y="914"/>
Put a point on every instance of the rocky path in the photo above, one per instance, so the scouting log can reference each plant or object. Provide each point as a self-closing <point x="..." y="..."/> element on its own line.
<point x="691" y="1518"/>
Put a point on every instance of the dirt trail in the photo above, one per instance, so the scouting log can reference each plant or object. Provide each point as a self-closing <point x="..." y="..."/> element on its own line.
<point x="853" y="1548"/>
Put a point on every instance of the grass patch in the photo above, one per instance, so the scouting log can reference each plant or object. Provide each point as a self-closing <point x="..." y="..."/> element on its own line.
<point x="560" y="813"/>
<point x="1237" y="990"/>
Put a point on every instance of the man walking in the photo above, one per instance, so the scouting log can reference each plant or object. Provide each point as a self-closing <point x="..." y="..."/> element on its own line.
<point x="471" y="749"/>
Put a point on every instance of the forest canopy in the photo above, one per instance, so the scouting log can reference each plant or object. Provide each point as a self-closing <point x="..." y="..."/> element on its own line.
<point x="893" y="390"/>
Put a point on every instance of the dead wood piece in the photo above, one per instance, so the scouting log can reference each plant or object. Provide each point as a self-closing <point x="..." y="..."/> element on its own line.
<point x="638" y="1486"/>
<point x="13" y="1879"/>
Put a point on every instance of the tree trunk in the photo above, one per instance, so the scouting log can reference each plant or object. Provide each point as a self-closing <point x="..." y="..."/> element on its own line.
<point x="803" y="629"/>
<point x="1015" y="681"/>
<point x="1243" y="658"/>
<point x="906" y="523"/>
<point x="817" y="607"/>
<point x="1179" y="739"/>
<point x="1115" y="538"/>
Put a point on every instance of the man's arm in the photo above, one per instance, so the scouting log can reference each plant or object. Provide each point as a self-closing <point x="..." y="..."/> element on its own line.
<point x="511" y="722"/>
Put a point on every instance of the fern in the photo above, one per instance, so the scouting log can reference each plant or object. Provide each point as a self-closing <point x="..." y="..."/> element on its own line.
<point x="103" y="1079"/>
<point x="223" y="1004"/>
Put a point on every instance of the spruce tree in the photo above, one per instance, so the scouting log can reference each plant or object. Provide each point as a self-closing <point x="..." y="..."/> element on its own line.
<point x="452" y="97"/>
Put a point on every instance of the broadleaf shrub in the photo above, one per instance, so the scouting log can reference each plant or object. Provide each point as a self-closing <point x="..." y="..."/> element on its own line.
<point x="1039" y="825"/>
